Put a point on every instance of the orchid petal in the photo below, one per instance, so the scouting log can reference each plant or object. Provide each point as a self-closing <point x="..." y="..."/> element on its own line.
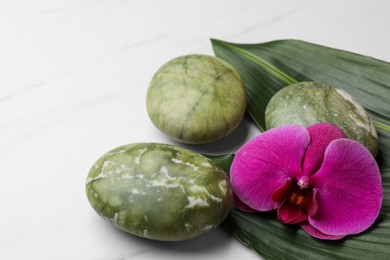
<point x="311" y="205"/>
<point x="241" y="205"/>
<point x="265" y="163"/>
<point x="312" y="231"/>
<point x="321" y="134"/>
<point x="349" y="189"/>
<point x="280" y="193"/>
<point x="290" y="214"/>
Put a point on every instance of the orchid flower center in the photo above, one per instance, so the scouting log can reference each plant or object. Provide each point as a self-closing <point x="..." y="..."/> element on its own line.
<point x="297" y="202"/>
<point x="298" y="191"/>
<point x="303" y="182"/>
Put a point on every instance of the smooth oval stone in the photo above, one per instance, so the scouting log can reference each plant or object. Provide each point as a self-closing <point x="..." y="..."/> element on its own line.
<point x="196" y="99"/>
<point x="307" y="103"/>
<point x="158" y="191"/>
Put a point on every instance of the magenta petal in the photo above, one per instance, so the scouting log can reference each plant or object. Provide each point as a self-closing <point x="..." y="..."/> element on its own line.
<point x="312" y="206"/>
<point x="280" y="193"/>
<point x="241" y="205"/>
<point x="290" y="214"/>
<point x="312" y="231"/>
<point x="265" y="163"/>
<point x="349" y="189"/>
<point x="321" y="134"/>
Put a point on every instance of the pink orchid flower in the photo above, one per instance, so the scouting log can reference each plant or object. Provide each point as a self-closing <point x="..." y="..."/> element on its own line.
<point x="313" y="176"/>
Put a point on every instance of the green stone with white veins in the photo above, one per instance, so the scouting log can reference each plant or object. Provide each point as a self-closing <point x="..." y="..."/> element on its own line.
<point x="196" y="99"/>
<point x="157" y="191"/>
<point x="307" y="103"/>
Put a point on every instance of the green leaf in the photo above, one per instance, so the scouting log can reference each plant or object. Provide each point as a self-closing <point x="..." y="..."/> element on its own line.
<point x="223" y="161"/>
<point x="265" y="69"/>
<point x="268" y="67"/>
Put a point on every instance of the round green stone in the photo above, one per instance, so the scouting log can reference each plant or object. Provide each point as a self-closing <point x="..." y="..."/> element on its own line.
<point x="307" y="103"/>
<point x="196" y="99"/>
<point x="159" y="191"/>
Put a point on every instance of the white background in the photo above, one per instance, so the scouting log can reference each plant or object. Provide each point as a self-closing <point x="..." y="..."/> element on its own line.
<point x="73" y="80"/>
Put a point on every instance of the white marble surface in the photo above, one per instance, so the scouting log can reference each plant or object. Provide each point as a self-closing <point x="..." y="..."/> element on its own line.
<point x="73" y="79"/>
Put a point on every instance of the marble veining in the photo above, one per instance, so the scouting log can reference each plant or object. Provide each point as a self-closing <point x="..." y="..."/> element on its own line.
<point x="73" y="81"/>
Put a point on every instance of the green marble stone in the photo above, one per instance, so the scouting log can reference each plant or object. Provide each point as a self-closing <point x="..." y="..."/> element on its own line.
<point x="196" y="99"/>
<point x="157" y="191"/>
<point x="307" y="103"/>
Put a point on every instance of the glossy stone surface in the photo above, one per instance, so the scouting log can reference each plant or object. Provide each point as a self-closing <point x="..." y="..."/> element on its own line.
<point x="307" y="103"/>
<point x="196" y="99"/>
<point x="159" y="191"/>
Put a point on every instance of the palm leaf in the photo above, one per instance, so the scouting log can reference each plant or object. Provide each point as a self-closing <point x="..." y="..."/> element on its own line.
<point x="268" y="67"/>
